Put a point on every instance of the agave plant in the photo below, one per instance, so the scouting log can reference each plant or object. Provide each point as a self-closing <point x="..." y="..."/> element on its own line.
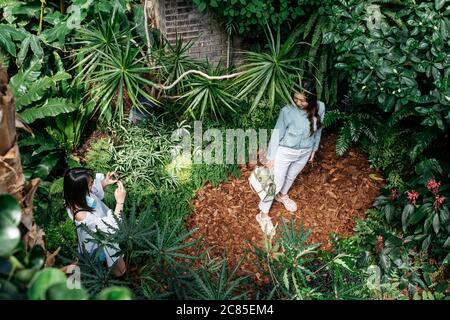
<point x="273" y="74"/>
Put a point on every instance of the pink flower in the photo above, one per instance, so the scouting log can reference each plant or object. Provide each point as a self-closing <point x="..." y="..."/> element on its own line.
<point x="379" y="244"/>
<point x="433" y="186"/>
<point x="412" y="196"/>
<point x="439" y="200"/>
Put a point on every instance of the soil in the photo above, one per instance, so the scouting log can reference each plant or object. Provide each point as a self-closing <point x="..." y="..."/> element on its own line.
<point x="86" y="146"/>
<point x="330" y="194"/>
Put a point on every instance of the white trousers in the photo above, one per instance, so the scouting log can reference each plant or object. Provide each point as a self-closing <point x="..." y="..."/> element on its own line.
<point x="288" y="163"/>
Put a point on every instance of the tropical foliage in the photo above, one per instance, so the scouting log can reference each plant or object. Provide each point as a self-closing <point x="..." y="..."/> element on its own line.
<point x="82" y="67"/>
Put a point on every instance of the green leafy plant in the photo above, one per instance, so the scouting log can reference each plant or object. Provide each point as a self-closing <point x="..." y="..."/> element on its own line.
<point x="421" y="209"/>
<point x="206" y="97"/>
<point x="273" y="74"/>
<point x="289" y="262"/>
<point x="141" y="154"/>
<point x="214" y="281"/>
<point x="355" y="125"/>
<point x="249" y="15"/>
<point x="173" y="61"/>
<point x="396" y="54"/>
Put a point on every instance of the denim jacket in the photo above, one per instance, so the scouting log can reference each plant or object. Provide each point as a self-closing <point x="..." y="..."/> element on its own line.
<point x="292" y="130"/>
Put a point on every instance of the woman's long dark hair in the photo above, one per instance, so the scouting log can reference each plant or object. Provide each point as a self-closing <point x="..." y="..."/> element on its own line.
<point x="76" y="188"/>
<point x="309" y="90"/>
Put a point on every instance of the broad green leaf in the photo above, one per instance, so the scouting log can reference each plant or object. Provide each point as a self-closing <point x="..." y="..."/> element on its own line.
<point x="439" y="4"/>
<point x="30" y="41"/>
<point x="426" y="243"/>
<point x="115" y="293"/>
<point x="36" y="257"/>
<point x="25" y="275"/>
<point x="6" y="41"/>
<point x="447" y="243"/>
<point x="446" y="260"/>
<point x="9" y="237"/>
<point x="24" y="46"/>
<point x="436" y="223"/>
<point x="406" y="214"/>
<point x="418" y="215"/>
<point x="385" y="261"/>
<point x="36" y="47"/>
<point x="46" y="165"/>
<point x="51" y="108"/>
<point x="43" y="280"/>
<point x="60" y="291"/>
<point x="9" y="209"/>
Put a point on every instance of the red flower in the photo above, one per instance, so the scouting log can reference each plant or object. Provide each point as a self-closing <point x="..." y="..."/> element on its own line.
<point x="412" y="196"/>
<point x="379" y="244"/>
<point x="393" y="194"/>
<point x="433" y="186"/>
<point x="439" y="200"/>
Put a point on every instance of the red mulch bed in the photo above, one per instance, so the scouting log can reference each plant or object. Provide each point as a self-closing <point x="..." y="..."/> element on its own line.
<point x="331" y="195"/>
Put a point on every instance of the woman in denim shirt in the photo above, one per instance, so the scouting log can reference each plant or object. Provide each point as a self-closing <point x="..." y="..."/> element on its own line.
<point x="293" y="143"/>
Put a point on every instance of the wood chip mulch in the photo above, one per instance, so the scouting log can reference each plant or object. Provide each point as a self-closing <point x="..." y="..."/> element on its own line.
<point x="330" y="195"/>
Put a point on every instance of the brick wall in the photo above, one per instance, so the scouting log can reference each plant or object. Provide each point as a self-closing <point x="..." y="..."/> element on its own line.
<point x="181" y="17"/>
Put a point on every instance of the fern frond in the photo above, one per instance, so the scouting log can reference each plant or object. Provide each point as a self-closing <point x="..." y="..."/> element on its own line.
<point x="423" y="140"/>
<point x="399" y="115"/>
<point x="343" y="141"/>
<point x="333" y="116"/>
<point x="355" y="128"/>
<point x="369" y="134"/>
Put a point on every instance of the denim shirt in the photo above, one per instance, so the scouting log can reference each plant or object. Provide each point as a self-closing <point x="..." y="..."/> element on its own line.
<point x="292" y="130"/>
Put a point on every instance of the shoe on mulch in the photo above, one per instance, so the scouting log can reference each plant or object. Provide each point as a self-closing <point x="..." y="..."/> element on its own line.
<point x="288" y="203"/>
<point x="266" y="225"/>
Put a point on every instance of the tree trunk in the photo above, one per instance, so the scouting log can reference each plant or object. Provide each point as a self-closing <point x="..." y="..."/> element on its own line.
<point x="11" y="176"/>
<point x="12" y="180"/>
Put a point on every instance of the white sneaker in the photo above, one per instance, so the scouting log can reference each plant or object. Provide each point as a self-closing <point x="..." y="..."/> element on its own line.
<point x="266" y="225"/>
<point x="288" y="203"/>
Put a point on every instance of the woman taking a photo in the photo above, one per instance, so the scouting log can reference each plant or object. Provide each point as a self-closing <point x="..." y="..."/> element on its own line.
<point x="83" y="194"/>
<point x="293" y="143"/>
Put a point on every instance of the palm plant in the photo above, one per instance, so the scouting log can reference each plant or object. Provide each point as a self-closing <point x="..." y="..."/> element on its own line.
<point x="94" y="276"/>
<point x="213" y="281"/>
<point x="289" y="261"/>
<point x="274" y="74"/>
<point x="205" y="97"/>
<point x="120" y="74"/>
<point x="115" y="71"/>
<point x="174" y="61"/>
<point x="92" y="40"/>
